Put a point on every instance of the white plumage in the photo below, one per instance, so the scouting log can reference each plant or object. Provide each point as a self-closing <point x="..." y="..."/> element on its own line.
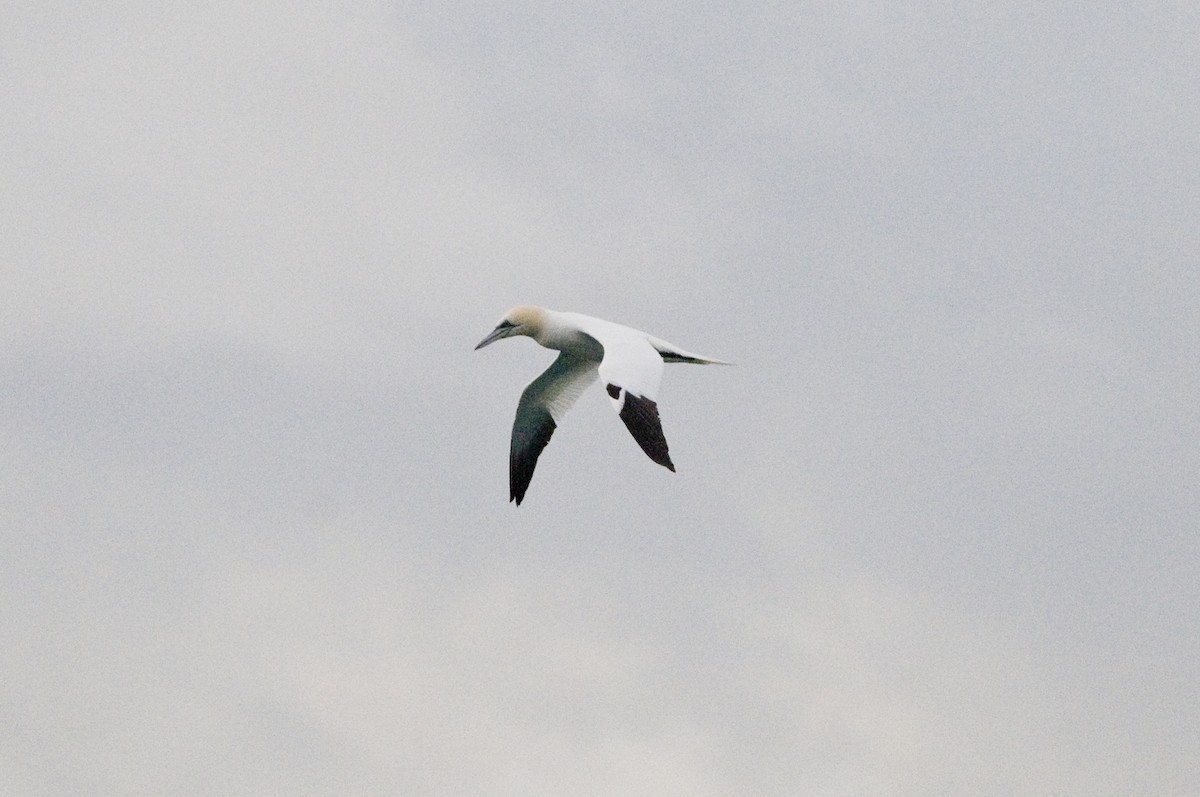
<point x="628" y="361"/>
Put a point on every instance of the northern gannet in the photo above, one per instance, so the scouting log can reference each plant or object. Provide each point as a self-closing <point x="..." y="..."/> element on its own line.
<point x="629" y="361"/>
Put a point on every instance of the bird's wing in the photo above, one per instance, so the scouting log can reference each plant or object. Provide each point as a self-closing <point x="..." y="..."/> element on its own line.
<point x="631" y="371"/>
<point x="543" y="402"/>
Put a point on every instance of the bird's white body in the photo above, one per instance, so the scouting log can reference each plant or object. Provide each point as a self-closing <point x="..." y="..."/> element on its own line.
<point x="628" y="361"/>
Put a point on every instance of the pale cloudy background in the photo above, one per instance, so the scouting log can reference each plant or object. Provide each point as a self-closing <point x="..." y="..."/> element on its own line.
<point x="935" y="534"/>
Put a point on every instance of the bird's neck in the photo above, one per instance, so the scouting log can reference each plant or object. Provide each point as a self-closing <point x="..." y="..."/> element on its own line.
<point x="559" y="332"/>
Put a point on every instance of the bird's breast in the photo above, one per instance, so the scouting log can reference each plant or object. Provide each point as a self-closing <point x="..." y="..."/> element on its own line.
<point x="573" y="341"/>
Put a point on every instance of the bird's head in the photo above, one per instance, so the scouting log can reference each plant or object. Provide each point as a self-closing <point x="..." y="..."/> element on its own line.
<point x="523" y="320"/>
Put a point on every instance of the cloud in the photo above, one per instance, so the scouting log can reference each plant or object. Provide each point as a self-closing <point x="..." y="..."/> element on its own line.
<point x="932" y="534"/>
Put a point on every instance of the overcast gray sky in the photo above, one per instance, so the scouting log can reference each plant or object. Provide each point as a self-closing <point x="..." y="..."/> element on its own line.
<point x="935" y="534"/>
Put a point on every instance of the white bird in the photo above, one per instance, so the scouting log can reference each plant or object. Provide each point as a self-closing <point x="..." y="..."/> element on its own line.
<point x="628" y="360"/>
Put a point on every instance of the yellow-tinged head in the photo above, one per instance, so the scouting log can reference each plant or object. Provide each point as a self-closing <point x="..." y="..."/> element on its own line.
<point x="524" y="319"/>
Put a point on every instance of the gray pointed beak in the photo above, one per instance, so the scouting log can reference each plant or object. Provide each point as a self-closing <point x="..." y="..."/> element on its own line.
<point x="496" y="334"/>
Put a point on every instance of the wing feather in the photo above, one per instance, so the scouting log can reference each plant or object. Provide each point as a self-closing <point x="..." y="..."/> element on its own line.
<point x="544" y="401"/>
<point x="632" y="369"/>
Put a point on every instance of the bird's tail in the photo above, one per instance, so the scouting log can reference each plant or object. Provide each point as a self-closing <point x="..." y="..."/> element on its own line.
<point x="674" y="354"/>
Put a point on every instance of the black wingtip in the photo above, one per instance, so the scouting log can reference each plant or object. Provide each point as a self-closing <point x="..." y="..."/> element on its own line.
<point x="641" y="418"/>
<point x="527" y="443"/>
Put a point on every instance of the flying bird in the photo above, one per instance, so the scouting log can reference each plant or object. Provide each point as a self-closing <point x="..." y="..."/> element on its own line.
<point x="629" y="361"/>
